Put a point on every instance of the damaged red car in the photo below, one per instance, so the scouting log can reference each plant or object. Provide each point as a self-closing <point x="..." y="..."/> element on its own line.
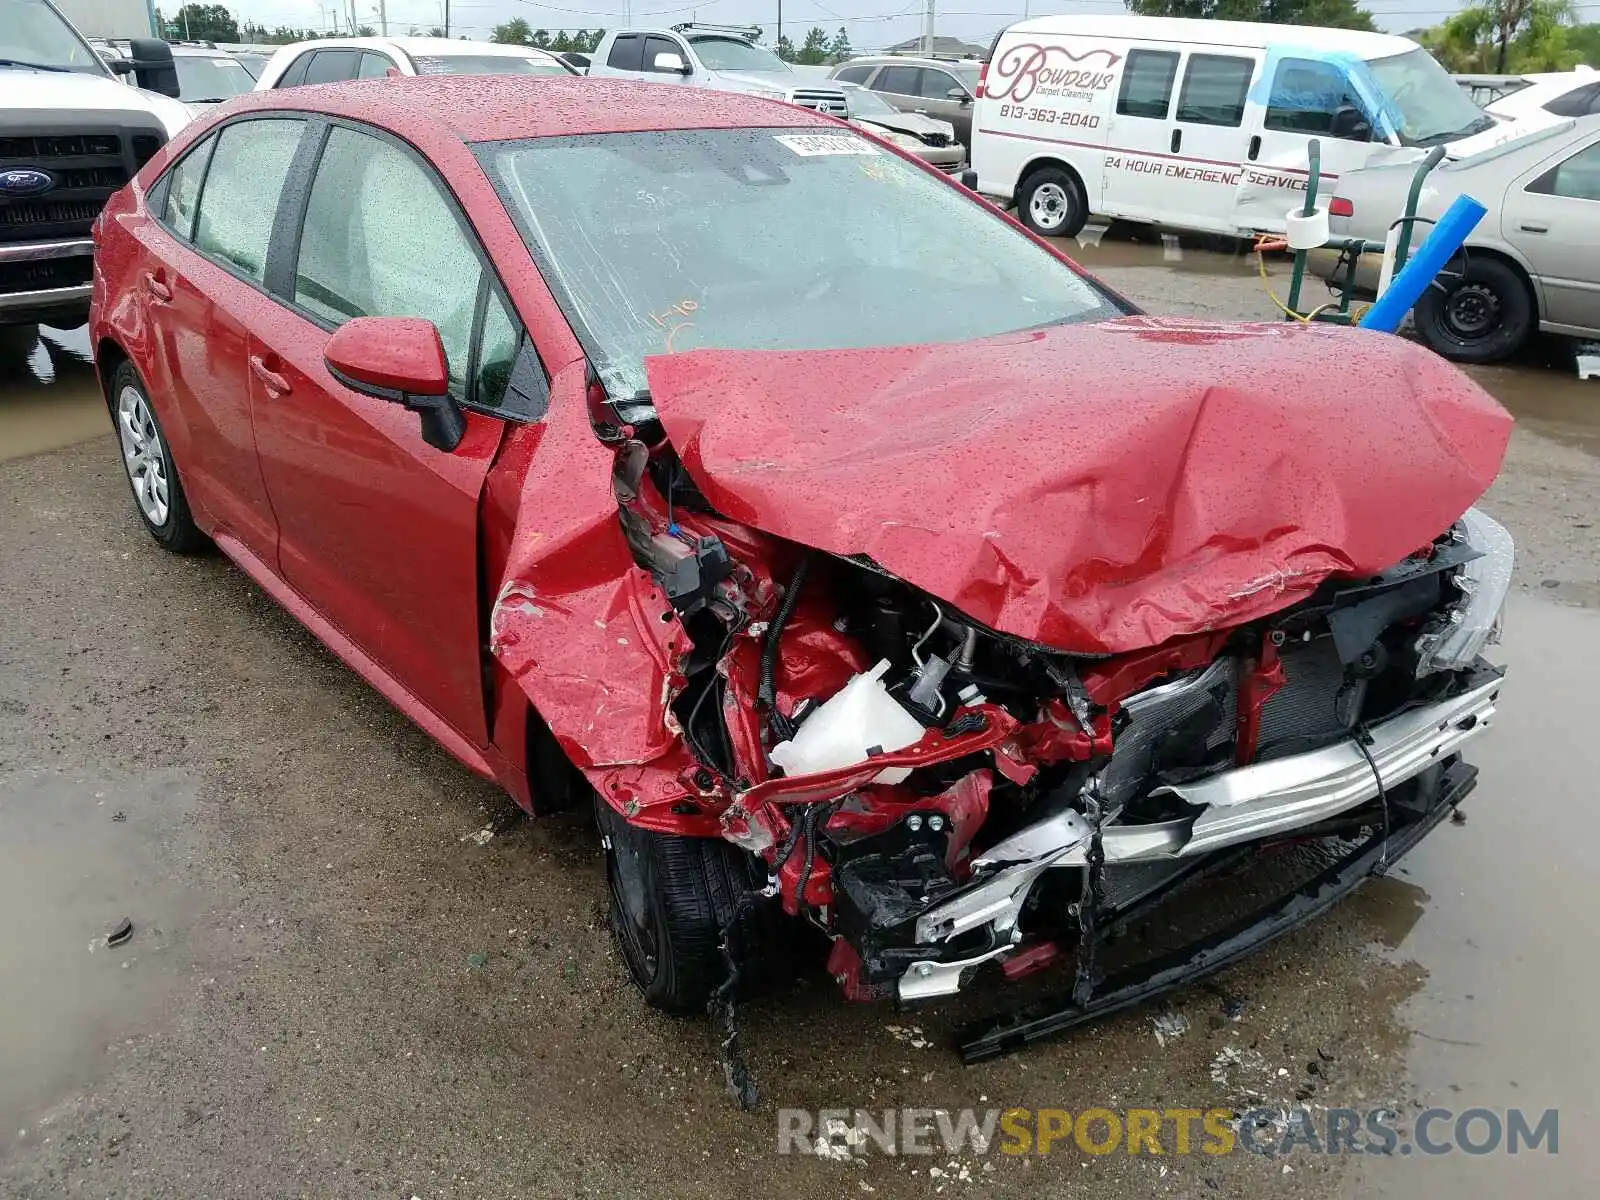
<point x="862" y="561"/>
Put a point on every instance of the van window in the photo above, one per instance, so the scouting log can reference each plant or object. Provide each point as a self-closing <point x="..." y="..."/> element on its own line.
<point x="1214" y="86"/>
<point x="1147" y="84"/>
<point x="1306" y="95"/>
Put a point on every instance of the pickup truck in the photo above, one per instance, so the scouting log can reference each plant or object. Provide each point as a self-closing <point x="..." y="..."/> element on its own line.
<point x="724" y="58"/>
<point x="71" y="134"/>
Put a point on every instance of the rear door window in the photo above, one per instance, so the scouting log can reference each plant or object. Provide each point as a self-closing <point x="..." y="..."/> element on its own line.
<point x="183" y="189"/>
<point x="1147" y="84"/>
<point x="237" y="206"/>
<point x="902" y="81"/>
<point x="1214" y="87"/>
<point x="296" y="73"/>
<point x="1577" y="103"/>
<point x="1578" y="178"/>
<point x="373" y="66"/>
<point x="332" y="66"/>
<point x="627" y="53"/>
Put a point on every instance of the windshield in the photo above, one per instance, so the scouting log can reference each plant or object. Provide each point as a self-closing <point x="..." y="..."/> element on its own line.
<point x="863" y="103"/>
<point x="736" y="54"/>
<point x="34" y="34"/>
<point x="204" y="80"/>
<point x="1425" y="103"/>
<point x="487" y="64"/>
<point x="768" y="239"/>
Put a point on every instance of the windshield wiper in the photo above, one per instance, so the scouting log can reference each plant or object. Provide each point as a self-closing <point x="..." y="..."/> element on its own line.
<point x="1482" y="123"/>
<point x="33" y="66"/>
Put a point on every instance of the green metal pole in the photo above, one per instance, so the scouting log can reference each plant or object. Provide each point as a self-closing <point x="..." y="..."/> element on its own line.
<point x="1299" y="275"/>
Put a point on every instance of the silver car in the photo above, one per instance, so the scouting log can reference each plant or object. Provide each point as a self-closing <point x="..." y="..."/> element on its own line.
<point x="936" y="87"/>
<point x="932" y="141"/>
<point x="1532" y="263"/>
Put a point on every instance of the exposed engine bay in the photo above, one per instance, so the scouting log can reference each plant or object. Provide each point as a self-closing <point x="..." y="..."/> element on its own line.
<point x="936" y="795"/>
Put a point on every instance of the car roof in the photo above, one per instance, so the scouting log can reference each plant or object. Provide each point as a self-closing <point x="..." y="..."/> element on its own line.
<point x="1253" y="34"/>
<point x="1546" y="87"/>
<point x="481" y="108"/>
<point x="910" y="59"/>
<point x="427" y="47"/>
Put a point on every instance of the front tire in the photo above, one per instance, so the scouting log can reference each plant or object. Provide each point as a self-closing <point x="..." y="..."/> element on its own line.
<point x="1481" y="315"/>
<point x="153" y="476"/>
<point x="1052" y="204"/>
<point x="671" y="898"/>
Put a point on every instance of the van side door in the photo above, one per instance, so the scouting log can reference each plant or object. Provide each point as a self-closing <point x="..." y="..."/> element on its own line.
<point x="1139" y="142"/>
<point x="1209" y="141"/>
<point x="1301" y="99"/>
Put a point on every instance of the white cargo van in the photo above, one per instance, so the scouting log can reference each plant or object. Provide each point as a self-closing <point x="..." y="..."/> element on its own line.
<point x="1197" y="124"/>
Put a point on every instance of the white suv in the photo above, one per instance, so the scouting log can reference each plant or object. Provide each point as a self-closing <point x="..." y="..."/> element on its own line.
<point x="724" y="58"/>
<point x="333" y="60"/>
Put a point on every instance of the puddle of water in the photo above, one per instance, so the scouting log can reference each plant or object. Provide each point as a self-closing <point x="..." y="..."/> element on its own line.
<point x="73" y="869"/>
<point x="1545" y="394"/>
<point x="49" y="396"/>
<point x="1507" y="935"/>
<point x="1124" y="245"/>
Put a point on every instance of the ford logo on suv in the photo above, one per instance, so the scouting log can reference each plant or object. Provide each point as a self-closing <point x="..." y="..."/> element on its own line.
<point x="25" y="181"/>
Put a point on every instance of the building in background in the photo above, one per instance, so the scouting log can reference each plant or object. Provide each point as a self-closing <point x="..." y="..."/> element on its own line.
<point x="111" y="18"/>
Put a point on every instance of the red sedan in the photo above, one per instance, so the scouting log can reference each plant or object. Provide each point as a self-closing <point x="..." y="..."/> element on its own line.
<point x="699" y="457"/>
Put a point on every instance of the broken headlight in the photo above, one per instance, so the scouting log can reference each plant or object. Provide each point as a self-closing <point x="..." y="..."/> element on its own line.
<point x="1454" y="639"/>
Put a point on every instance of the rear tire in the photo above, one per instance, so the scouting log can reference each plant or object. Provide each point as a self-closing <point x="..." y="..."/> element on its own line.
<point x="671" y="897"/>
<point x="1481" y="315"/>
<point x="147" y="460"/>
<point x="1051" y="202"/>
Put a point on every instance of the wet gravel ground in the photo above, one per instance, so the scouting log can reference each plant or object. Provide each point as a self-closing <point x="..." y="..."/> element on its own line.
<point x="334" y="988"/>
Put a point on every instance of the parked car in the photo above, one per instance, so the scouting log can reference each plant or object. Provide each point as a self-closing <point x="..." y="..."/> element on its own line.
<point x="254" y="61"/>
<point x="331" y="60"/>
<point x="860" y="552"/>
<point x="724" y="58"/>
<point x="1532" y="263"/>
<point x="932" y="141"/>
<point x="938" y="87"/>
<point x="1201" y="125"/>
<point x="209" y="76"/>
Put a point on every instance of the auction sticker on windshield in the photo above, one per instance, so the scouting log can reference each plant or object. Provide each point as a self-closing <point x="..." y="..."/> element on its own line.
<point x="812" y="145"/>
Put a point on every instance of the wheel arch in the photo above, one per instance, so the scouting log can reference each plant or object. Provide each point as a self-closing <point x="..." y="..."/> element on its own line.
<point x="108" y="356"/>
<point x="1529" y="281"/>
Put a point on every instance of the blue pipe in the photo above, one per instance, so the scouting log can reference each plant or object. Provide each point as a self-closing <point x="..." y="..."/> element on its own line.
<point x="1452" y="229"/>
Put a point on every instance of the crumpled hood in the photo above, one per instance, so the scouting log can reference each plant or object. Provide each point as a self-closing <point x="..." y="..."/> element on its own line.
<point x="1102" y="487"/>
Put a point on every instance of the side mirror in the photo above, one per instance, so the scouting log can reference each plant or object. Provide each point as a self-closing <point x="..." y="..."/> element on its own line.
<point x="150" y="60"/>
<point x="670" y="62"/>
<point x="1350" y="124"/>
<point x="959" y="95"/>
<point x="399" y="359"/>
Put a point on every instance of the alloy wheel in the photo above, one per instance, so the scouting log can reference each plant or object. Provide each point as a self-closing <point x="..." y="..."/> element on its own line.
<point x="144" y="456"/>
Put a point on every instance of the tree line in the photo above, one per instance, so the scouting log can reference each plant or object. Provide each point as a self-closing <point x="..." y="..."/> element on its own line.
<point x="1503" y="37"/>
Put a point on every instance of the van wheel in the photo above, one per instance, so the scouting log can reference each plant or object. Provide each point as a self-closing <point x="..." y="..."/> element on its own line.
<point x="671" y="898"/>
<point x="1479" y="315"/>
<point x="1052" y="204"/>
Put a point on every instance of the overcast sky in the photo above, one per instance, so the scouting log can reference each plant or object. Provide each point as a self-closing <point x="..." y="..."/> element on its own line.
<point x="870" y="23"/>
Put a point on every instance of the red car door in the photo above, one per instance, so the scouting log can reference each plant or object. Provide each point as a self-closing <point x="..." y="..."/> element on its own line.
<point x="201" y="284"/>
<point x="378" y="530"/>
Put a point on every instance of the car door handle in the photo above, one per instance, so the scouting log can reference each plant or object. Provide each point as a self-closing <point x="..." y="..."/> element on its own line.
<point x="1255" y="147"/>
<point x="1177" y="139"/>
<point x="157" y="287"/>
<point x="1531" y="227"/>
<point x="275" y="384"/>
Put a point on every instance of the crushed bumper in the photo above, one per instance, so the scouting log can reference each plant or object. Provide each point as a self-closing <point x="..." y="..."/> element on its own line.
<point x="1409" y="824"/>
<point x="1247" y="804"/>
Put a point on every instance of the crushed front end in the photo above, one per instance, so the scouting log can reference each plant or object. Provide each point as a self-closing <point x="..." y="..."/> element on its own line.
<point x="972" y="692"/>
